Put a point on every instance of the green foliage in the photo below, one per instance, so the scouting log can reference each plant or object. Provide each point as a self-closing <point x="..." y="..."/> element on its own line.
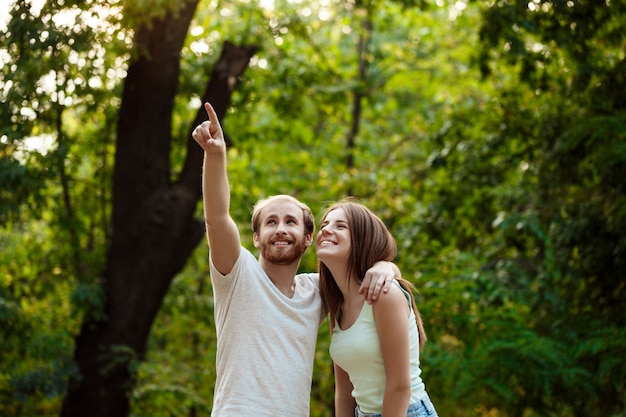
<point x="548" y="207"/>
<point x="36" y="323"/>
<point x="490" y="139"/>
<point x="58" y="105"/>
<point x="57" y="70"/>
<point x="22" y="185"/>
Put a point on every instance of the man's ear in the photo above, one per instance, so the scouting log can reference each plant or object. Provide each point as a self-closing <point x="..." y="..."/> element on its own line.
<point x="308" y="240"/>
<point x="255" y="238"/>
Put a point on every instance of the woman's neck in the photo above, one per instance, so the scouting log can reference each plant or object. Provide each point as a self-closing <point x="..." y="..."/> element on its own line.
<point x="347" y="285"/>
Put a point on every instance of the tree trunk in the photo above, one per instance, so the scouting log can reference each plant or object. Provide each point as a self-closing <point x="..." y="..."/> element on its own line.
<point x="154" y="230"/>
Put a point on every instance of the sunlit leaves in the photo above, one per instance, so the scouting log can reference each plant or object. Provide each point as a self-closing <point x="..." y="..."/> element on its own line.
<point x="506" y="197"/>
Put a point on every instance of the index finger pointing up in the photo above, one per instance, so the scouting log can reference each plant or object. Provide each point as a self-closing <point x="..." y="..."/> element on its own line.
<point x="210" y="112"/>
<point x="215" y="124"/>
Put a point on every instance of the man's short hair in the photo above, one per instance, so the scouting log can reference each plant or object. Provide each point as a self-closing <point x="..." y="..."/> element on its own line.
<point x="307" y="214"/>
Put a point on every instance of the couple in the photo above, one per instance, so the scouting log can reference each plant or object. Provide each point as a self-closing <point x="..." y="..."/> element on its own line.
<point x="267" y="317"/>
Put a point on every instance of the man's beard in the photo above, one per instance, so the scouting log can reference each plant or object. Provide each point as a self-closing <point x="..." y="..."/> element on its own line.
<point x="280" y="255"/>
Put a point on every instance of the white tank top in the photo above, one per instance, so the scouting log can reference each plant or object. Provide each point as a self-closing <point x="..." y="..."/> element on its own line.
<point x="357" y="351"/>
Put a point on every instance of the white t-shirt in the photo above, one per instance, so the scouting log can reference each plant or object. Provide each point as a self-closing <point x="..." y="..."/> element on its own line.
<point x="265" y="342"/>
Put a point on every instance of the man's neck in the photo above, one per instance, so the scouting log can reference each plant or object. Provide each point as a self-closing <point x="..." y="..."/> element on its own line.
<point x="283" y="276"/>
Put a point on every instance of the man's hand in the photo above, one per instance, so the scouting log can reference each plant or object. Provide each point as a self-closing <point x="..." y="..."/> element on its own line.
<point x="209" y="134"/>
<point x="378" y="278"/>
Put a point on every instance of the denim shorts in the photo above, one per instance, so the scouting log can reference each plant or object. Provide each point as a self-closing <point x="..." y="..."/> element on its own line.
<point x="422" y="408"/>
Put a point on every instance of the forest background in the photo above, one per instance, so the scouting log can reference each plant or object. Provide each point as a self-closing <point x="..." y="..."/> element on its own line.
<point x="489" y="135"/>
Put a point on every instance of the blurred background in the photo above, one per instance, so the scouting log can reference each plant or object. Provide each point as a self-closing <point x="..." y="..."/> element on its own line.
<point x="489" y="135"/>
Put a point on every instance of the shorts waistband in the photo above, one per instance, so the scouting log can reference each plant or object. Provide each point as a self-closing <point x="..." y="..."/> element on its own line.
<point x="413" y="408"/>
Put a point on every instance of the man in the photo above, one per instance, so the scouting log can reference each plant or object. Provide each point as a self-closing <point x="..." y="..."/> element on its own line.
<point x="266" y="316"/>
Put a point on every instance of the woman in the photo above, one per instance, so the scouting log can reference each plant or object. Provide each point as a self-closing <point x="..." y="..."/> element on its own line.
<point x="375" y="348"/>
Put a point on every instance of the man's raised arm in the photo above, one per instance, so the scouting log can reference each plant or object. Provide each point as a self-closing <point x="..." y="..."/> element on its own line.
<point x="222" y="233"/>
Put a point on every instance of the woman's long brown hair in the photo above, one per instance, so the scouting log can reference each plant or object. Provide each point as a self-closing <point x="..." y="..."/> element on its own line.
<point x="370" y="242"/>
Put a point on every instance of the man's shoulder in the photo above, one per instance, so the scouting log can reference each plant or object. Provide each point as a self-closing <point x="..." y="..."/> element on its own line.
<point x="309" y="277"/>
<point x="246" y="260"/>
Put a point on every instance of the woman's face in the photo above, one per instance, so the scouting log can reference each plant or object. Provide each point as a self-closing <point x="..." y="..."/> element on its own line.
<point x="333" y="239"/>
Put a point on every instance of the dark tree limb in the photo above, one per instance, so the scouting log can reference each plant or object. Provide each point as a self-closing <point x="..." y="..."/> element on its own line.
<point x="153" y="223"/>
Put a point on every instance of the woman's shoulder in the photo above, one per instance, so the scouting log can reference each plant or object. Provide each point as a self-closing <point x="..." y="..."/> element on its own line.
<point x="394" y="298"/>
